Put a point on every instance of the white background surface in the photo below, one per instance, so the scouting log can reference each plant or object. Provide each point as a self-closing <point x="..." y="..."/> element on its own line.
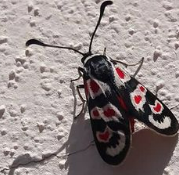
<point x="37" y="102"/>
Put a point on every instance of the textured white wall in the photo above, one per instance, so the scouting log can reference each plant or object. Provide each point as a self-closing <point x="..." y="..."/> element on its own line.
<point x="37" y="102"/>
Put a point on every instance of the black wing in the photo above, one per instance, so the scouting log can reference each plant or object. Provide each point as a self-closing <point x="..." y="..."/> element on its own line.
<point x="110" y="125"/>
<point x="143" y="105"/>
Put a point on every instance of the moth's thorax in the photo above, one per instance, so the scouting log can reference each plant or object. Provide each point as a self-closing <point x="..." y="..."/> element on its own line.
<point x="99" y="66"/>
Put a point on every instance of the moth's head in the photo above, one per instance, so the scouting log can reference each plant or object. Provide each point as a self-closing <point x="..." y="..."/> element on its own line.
<point x="94" y="59"/>
<point x="98" y="66"/>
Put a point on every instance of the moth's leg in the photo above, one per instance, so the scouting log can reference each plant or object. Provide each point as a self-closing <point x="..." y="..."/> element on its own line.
<point x="176" y="106"/>
<point x="104" y="52"/>
<point x="78" y="87"/>
<point x="156" y="92"/>
<point x="140" y="65"/>
<point x="117" y="61"/>
<point x="126" y="64"/>
<point x="80" y="72"/>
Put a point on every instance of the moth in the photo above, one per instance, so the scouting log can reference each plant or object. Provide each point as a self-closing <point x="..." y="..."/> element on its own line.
<point x="114" y="100"/>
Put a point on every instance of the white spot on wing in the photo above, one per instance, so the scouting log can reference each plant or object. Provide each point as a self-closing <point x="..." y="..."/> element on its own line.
<point x="103" y="88"/>
<point x="104" y="136"/>
<point x="163" y="125"/>
<point x="142" y="89"/>
<point x="152" y="107"/>
<point x="101" y="111"/>
<point x="95" y="113"/>
<point x="114" y="151"/>
<point x="140" y="105"/>
<point x="120" y="82"/>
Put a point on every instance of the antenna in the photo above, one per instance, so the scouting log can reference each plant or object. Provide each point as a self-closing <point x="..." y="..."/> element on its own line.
<point x="103" y="6"/>
<point x="37" y="42"/>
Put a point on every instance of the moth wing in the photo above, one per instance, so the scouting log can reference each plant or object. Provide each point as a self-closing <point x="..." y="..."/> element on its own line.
<point x="110" y="126"/>
<point x="144" y="105"/>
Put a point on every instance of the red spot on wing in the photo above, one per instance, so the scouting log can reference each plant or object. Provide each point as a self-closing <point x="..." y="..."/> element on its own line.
<point x="104" y="137"/>
<point x="142" y="88"/>
<point x="109" y="112"/>
<point x="137" y="99"/>
<point x="120" y="73"/>
<point x="95" y="113"/>
<point x="94" y="86"/>
<point x="157" y="107"/>
<point x="122" y="103"/>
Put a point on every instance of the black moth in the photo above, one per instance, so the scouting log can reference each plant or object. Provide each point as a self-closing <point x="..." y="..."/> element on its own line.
<point x="114" y="100"/>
